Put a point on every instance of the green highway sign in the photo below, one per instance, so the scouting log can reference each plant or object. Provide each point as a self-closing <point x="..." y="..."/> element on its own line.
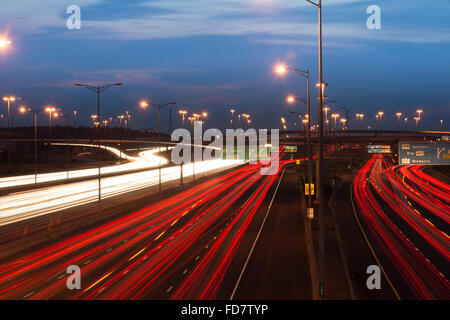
<point x="428" y="153"/>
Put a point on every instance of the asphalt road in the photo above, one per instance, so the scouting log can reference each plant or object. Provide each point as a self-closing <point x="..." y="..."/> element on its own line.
<point x="178" y="248"/>
<point x="277" y="266"/>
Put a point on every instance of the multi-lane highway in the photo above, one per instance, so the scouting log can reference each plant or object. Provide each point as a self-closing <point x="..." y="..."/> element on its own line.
<point x="144" y="160"/>
<point x="405" y="214"/>
<point x="178" y="248"/>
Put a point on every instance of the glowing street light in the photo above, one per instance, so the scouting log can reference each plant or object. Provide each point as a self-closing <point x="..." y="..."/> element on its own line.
<point x="51" y="111"/>
<point x="183" y="114"/>
<point x="399" y="114"/>
<point x="24" y="110"/>
<point x="360" y="117"/>
<point x="144" y="104"/>
<point x="335" y="116"/>
<point x="419" y="112"/>
<point x="281" y="69"/>
<point x="290" y="99"/>
<point x="5" y="43"/>
<point x="343" y="121"/>
<point x="232" y="117"/>
<point x="417" y="123"/>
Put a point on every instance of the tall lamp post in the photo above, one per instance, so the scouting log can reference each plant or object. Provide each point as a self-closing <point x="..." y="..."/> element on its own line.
<point x="380" y="117"/>
<point x="399" y="114"/>
<point x="8" y="100"/>
<point x="419" y="112"/>
<point x="98" y="90"/>
<point x="360" y="117"/>
<point x="232" y="117"/>
<point x="321" y="85"/>
<point x="159" y="106"/>
<point x="305" y="74"/>
<point x="35" y="112"/>
<point x="183" y="114"/>
<point x="51" y="111"/>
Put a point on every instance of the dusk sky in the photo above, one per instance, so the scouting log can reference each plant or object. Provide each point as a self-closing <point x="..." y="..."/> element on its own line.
<point x="209" y="55"/>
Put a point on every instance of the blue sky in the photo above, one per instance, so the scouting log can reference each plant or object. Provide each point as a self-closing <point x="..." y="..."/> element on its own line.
<point x="213" y="54"/>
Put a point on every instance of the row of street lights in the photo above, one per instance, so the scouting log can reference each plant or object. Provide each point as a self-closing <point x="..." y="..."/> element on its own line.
<point x="243" y="119"/>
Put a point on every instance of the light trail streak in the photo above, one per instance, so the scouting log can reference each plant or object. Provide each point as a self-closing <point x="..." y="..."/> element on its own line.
<point x="145" y="160"/>
<point x="130" y="257"/>
<point x="25" y="205"/>
<point x="380" y="196"/>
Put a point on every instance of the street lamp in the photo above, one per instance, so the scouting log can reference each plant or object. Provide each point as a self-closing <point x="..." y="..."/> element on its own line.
<point x="417" y="123"/>
<point x="399" y="114"/>
<point x="335" y="116"/>
<point x="35" y="112"/>
<point x="232" y="117"/>
<point x="406" y="123"/>
<point x="343" y="121"/>
<point x="380" y="116"/>
<point x="281" y="70"/>
<point x="419" y="112"/>
<point x="8" y="100"/>
<point x="98" y="90"/>
<point x="51" y="111"/>
<point x="442" y="124"/>
<point x="183" y="114"/>
<point x="360" y="116"/>
<point x="204" y="116"/>
<point x="159" y="106"/>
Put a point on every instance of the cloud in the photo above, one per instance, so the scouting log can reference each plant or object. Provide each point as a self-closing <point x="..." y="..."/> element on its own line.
<point x="35" y="16"/>
<point x="288" y="22"/>
<point x="141" y="76"/>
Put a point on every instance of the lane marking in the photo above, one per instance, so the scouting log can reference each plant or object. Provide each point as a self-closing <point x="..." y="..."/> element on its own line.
<point x="28" y="295"/>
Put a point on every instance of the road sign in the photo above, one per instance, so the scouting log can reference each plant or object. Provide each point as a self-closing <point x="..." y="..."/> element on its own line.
<point x="290" y="149"/>
<point x="429" y="153"/>
<point x="310" y="213"/>
<point x="308" y="189"/>
<point x="379" y="149"/>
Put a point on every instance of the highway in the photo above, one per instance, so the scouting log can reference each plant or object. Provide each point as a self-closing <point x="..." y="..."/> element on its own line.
<point x="145" y="160"/>
<point x="178" y="248"/>
<point x="405" y="213"/>
<point x="21" y="206"/>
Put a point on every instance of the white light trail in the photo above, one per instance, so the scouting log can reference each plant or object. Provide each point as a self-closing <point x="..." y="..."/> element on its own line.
<point x="145" y="160"/>
<point x="25" y="205"/>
